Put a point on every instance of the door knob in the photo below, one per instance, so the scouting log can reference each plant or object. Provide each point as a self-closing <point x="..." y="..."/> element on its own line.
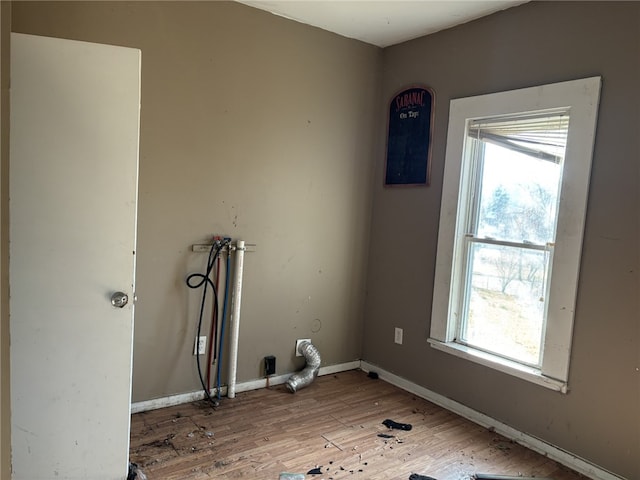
<point x="119" y="299"/>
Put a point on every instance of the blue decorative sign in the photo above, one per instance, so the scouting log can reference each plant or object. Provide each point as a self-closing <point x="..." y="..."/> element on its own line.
<point x="409" y="137"/>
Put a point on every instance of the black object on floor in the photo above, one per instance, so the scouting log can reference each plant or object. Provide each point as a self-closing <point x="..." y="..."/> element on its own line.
<point x="416" y="476"/>
<point x="373" y="375"/>
<point x="398" y="426"/>
<point x="131" y="474"/>
<point x="384" y="435"/>
<point x="135" y="473"/>
<point x="315" y="471"/>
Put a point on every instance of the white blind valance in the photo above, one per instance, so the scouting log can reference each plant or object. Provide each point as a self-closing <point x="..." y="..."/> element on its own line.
<point x="543" y="137"/>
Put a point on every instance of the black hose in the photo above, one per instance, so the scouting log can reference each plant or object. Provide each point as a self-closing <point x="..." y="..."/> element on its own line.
<point x="205" y="281"/>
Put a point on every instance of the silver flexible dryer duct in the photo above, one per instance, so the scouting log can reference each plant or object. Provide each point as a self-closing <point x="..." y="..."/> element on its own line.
<point x="305" y="376"/>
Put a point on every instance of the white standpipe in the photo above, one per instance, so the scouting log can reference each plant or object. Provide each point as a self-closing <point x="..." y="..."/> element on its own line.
<point x="234" y="327"/>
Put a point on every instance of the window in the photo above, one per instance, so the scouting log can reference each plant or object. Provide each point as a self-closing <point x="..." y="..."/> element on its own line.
<point x="512" y="216"/>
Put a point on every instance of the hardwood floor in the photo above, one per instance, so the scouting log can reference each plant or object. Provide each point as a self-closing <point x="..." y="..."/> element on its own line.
<point x="333" y="424"/>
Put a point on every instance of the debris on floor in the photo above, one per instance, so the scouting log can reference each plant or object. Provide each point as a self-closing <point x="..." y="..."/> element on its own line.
<point x="395" y="425"/>
<point x="501" y="445"/>
<point x="291" y="476"/>
<point x="416" y="476"/>
<point x="315" y="471"/>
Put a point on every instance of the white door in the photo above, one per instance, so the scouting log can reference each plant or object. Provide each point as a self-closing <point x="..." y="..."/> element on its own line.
<point x="73" y="189"/>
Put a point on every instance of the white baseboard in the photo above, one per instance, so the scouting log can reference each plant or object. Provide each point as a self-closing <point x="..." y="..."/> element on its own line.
<point x="341" y="367"/>
<point x="280" y="379"/>
<point x="567" y="459"/>
<point x="181" y="398"/>
<point x="170" y="401"/>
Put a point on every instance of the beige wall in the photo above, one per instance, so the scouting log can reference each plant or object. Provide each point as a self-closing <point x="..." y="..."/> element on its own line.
<point x="5" y="397"/>
<point x="533" y="44"/>
<point x="252" y="126"/>
<point x="264" y="129"/>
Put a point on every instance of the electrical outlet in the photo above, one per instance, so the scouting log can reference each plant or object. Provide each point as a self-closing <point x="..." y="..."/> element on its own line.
<point x="269" y="365"/>
<point x="200" y="345"/>
<point x="398" y="336"/>
<point x="298" y="354"/>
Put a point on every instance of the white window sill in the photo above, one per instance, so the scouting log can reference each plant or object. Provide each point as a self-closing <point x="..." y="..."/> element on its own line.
<point x="530" y="374"/>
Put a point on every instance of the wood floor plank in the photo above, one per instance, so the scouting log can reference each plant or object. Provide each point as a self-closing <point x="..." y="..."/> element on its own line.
<point x="334" y="424"/>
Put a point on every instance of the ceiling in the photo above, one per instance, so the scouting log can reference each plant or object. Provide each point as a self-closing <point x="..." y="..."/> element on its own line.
<point x="382" y="22"/>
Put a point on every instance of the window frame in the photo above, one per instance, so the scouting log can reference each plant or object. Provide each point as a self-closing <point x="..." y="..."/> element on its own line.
<point x="580" y="97"/>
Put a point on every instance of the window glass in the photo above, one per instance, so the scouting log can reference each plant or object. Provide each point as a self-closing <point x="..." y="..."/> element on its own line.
<point x="515" y="171"/>
<point x="518" y="196"/>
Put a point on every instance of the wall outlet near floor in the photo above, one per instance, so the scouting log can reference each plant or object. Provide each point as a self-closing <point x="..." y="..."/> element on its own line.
<point x="269" y="365"/>
<point x="200" y="345"/>
<point x="398" y="336"/>
<point x="298" y="354"/>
